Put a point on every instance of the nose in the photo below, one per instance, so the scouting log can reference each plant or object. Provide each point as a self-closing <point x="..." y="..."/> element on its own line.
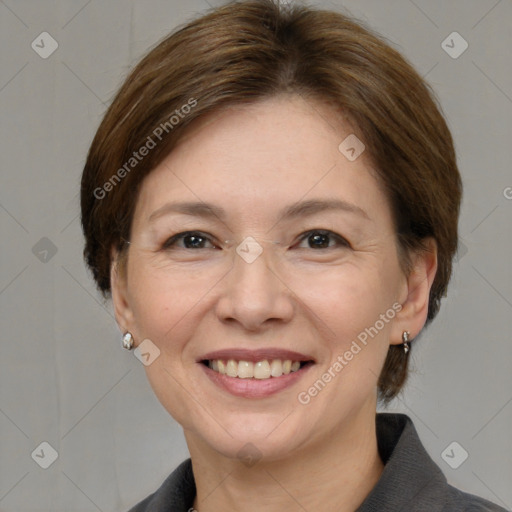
<point x="254" y="295"/>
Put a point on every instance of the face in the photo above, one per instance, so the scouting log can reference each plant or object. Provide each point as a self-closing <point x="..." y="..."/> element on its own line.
<point x="319" y="275"/>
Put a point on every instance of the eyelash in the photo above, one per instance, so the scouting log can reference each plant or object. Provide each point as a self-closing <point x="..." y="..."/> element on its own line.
<point x="170" y="242"/>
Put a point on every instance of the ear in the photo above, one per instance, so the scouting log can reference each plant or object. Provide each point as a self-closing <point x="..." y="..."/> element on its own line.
<point x="415" y="293"/>
<point x="120" y="297"/>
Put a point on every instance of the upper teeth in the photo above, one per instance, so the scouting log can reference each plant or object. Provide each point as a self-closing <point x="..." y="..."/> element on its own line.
<point x="259" y="370"/>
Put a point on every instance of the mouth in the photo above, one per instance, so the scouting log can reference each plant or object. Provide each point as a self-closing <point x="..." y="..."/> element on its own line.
<point x="261" y="370"/>
<point x="257" y="373"/>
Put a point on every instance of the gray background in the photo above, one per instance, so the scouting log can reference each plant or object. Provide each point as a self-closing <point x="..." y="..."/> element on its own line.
<point x="64" y="378"/>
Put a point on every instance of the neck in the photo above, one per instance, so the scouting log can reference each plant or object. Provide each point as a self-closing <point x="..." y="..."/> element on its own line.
<point x="335" y="474"/>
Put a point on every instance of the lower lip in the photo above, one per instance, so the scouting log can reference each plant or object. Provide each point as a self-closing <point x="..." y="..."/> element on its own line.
<point x="255" y="388"/>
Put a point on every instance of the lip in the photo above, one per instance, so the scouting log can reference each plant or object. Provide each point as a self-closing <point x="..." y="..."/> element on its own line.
<point x="242" y="354"/>
<point x="254" y="388"/>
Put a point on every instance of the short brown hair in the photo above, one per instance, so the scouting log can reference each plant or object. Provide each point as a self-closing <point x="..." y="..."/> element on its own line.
<point x="246" y="51"/>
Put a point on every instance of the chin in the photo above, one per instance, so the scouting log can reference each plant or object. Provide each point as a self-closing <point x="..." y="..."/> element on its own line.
<point x="251" y="436"/>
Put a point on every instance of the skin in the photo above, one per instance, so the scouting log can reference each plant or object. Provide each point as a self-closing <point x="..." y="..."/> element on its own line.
<point x="253" y="161"/>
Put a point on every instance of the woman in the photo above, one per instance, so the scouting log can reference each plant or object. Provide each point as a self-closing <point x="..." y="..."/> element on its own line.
<point x="272" y="203"/>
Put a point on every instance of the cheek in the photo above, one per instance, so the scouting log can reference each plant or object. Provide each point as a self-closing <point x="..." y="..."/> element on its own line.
<point x="349" y="298"/>
<point x="168" y="306"/>
<point x="353" y="305"/>
<point x="163" y="296"/>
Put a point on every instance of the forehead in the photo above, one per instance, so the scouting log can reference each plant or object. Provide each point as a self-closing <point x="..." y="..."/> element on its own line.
<point x="256" y="158"/>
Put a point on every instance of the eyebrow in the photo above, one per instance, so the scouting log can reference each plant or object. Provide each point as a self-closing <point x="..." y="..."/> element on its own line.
<point x="299" y="209"/>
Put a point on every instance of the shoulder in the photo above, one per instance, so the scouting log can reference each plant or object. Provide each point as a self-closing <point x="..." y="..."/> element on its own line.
<point x="440" y="496"/>
<point x="459" y="501"/>
<point x="411" y="480"/>
<point x="177" y="493"/>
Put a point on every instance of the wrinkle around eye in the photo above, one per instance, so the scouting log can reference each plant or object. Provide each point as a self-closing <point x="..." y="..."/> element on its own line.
<point x="334" y="241"/>
<point x="170" y="243"/>
<point x="339" y="241"/>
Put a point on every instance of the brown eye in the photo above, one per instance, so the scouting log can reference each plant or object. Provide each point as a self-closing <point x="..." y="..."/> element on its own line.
<point x="189" y="239"/>
<point x="323" y="239"/>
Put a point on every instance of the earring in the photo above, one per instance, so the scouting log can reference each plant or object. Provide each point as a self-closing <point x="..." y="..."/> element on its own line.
<point x="405" y="341"/>
<point x="127" y="341"/>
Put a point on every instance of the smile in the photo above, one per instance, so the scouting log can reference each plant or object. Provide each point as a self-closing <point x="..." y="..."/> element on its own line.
<point x="254" y="370"/>
<point x="255" y="373"/>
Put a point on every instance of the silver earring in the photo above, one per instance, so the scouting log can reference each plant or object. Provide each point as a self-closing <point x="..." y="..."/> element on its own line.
<point x="405" y="341"/>
<point x="127" y="340"/>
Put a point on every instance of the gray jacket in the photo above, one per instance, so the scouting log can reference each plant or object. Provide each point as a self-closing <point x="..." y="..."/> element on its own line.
<point x="410" y="482"/>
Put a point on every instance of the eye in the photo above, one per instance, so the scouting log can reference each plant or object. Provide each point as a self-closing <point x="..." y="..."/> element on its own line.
<point x="323" y="239"/>
<point x="190" y="239"/>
